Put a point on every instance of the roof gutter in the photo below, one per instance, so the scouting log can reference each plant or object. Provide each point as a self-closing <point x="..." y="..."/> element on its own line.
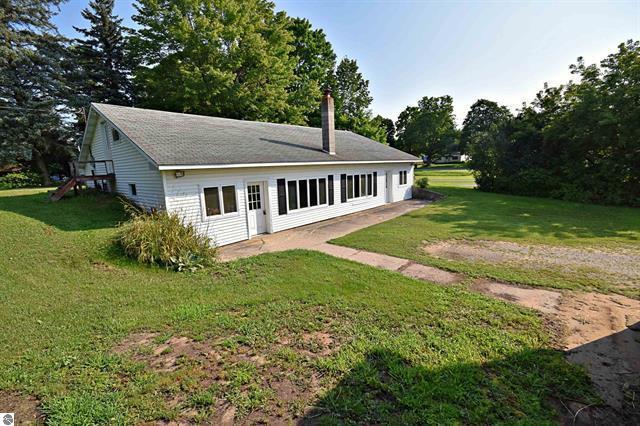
<point x="311" y="163"/>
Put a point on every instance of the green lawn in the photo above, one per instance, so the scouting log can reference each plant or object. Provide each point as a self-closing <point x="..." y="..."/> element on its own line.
<point x="468" y="215"/>
<point x="269" y="335"/>
<point x="447" y="175"/>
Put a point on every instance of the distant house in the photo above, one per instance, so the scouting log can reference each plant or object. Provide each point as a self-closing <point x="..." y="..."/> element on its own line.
<point x="452" y="157"/>
<point x="235" y="179"/>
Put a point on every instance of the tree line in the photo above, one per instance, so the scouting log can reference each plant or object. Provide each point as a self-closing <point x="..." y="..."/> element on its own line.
<point x="244" y="60"/>
<point x="234" y="59"/>
<point x="579" y="141"/>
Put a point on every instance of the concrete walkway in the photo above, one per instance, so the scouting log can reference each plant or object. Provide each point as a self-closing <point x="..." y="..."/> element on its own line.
<point x="316" y="235"/>
<point x="313" y="235"/>
<point x="406" y="267"/>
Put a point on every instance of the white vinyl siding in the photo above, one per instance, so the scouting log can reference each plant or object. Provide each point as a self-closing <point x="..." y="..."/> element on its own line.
<point x="183" y="195"/>
<point x="133" y="167"/>
<point x="401" y="191"/>
<point x="130" y="166"/>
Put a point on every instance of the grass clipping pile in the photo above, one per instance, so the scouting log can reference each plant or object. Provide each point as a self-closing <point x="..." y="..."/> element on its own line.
<point x="161" y="238"/>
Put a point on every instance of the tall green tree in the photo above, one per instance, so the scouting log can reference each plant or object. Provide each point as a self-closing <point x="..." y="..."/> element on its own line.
<point x="427" y="129"/>
<point x="216" y="57"/>
<point x="32" y="85"/>
<point x="481" y="116"/>
<point x="389" y="129"/>
<point x="315" y="62"/>
<point x="104" y="71"/>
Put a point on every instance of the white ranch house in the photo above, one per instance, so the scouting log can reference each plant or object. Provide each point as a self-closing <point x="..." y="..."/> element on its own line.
<point x="234" y="179"/>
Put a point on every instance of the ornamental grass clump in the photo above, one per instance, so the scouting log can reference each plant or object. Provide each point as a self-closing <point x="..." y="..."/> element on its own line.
<point x="161" y="238"/>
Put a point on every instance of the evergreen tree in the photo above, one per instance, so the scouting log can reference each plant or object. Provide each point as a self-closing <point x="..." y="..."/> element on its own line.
<point x="32" y="86"/>
<point x="222" y="58"/>
<point x="104" y="69"/>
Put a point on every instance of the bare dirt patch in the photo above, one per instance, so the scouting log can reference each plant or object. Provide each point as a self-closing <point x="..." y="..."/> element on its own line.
<point x="318" y="343"/>
<point x="26" y="408"/>
<point x="600" y="332"/>
<point x="211" y="363"/>
<point x="621" y="266"/>
<point x="542" y="300"/>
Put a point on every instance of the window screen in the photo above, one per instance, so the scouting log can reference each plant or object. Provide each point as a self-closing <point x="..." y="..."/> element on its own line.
<point x="322" y="191"/>
<point x="330" y="188"/>
<point x="229" y="199"/>
<point x="212" y="201"/>
<point x="282" y="197"/>
<point x="293" y="194"/>
<point x="302" y="192"/>
<point x="375" y="184"/>
<point x="313" y="192"/>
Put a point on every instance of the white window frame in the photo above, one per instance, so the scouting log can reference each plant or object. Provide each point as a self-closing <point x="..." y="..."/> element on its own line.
<point x="309" y="206"/>
<point x="406" y="178"/>
<point x="222" y="215"/>
<point x="353" y="186"/>
<point x="133" y="186"/>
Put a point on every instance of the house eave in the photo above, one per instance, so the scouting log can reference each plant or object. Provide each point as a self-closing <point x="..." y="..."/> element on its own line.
<point x="284" y="164"/>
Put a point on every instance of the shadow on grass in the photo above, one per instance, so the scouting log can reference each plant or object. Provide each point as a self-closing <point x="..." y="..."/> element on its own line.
<point x="613" y="363"/>
<point x="388" y="388"/>
<point x="473" y="213"/>
<point x="72" y="213"/>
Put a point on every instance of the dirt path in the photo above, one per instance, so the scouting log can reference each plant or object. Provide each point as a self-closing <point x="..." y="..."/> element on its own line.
<point x="619" y="267"/>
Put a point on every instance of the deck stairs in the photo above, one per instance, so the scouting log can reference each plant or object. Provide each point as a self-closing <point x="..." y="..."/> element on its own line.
<point x="107" y="175"/>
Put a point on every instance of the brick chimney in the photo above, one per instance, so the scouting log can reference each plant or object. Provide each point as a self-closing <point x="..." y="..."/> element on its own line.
<point x="328" y="125"/>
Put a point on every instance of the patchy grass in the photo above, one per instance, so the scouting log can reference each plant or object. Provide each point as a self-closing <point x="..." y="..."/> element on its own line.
<point x="98" y="339"/>
<point x="471" y="215"/>
<point x="447" y="175"/>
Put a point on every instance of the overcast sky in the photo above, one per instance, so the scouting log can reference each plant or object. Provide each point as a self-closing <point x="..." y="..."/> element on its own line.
<point x="503" y="51"/>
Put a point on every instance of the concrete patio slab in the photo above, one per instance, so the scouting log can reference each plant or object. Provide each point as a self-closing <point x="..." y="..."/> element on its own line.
<point x="312" y="235"/>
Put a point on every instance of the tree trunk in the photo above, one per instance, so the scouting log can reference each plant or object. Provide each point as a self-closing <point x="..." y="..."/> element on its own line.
<point x="42" y="167"/>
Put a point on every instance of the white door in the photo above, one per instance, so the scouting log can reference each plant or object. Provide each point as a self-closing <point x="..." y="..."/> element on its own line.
<point x="389" y="187"/>
<point x="257" y="214"/>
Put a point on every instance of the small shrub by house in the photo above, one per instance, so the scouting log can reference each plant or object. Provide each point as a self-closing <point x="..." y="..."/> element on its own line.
<point x="422" y="183"/>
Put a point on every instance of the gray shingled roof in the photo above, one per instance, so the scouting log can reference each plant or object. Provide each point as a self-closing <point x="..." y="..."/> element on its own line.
<point x="172" y="139"/>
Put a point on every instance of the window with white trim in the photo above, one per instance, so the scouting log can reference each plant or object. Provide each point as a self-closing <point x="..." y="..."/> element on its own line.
<point x="115" y="135"/>
<point x="220" y="200"/>
<point x="305" y="193"/>
<point x="403" y="177"/>
<point x="359" y="186"/>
